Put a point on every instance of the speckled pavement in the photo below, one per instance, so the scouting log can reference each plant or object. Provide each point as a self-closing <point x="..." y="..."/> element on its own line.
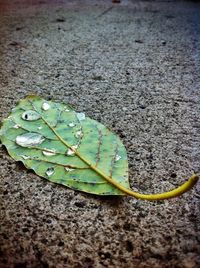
<point x="134" y="67"/>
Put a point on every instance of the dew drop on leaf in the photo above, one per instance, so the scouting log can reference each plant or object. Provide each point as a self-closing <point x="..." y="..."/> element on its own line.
<point x="71" y="124"/>
<point x="69" y="169"/>
<point x="49" y="152"/>
<point x="80" y="116"/>
<point x="70" y="152"/>
<point x="117" y="158"/>
<point x="40" y="127"/>
<point x="31" y="115"/>
<point x="74" y="147"/>
<point x="25" y="157"/>
<point x="79" y="134"/>
<point x="50" y="171"/>
<point x="45" y="106"/>
<point x="29" y="139"/>
<point x="16" y="126"/>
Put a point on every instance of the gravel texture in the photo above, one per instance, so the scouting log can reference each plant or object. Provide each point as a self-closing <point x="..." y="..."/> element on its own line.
<point x="135" y="67"/>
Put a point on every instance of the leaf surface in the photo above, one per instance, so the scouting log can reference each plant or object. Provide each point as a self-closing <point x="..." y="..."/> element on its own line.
<point x="65" y="147"/>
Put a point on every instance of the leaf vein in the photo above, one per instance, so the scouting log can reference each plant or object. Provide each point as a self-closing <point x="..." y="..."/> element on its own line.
<point x="114" y="160"/>
<point x="100" y="138"/>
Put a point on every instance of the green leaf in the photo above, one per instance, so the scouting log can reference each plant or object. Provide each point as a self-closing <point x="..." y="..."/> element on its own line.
<point x="69" y="148"/>
<point x="65" y="147"/>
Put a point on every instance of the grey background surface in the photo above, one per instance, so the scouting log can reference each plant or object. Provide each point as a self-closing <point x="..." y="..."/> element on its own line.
<point x="134" y="67"/>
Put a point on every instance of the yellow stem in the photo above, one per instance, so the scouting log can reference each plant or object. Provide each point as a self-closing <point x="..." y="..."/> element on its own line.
<point x="151" y="197"/>
<point x="166" y="195"/>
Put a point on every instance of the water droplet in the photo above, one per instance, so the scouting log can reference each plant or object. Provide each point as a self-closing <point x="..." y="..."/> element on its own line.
<point x="71" y="124"/>
<point x="40" y="127"/>
<point x="80" y="116"/>
<point x="45" y="106"/>
<point x="16" y="126"/>
<point x="50" y="171"/>
<point x="69" y="169"/>
<point x="49" y="152"/>
<point x="79" y="134"/>
<point x="67" y="110"/>
<point x="74" y="147"/>
<point x="31" y="115"/>
<point x="29" y="139"/>
<point x="70" y="152"/>
<point x="118" y="157"/>
<point x="26" y="157"/>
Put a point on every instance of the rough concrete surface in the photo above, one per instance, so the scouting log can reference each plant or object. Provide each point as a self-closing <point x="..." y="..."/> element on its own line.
<point x="135" y="67"/>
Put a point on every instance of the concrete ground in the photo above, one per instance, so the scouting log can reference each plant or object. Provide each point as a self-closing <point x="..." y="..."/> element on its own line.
<point x="135" y="67"/>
